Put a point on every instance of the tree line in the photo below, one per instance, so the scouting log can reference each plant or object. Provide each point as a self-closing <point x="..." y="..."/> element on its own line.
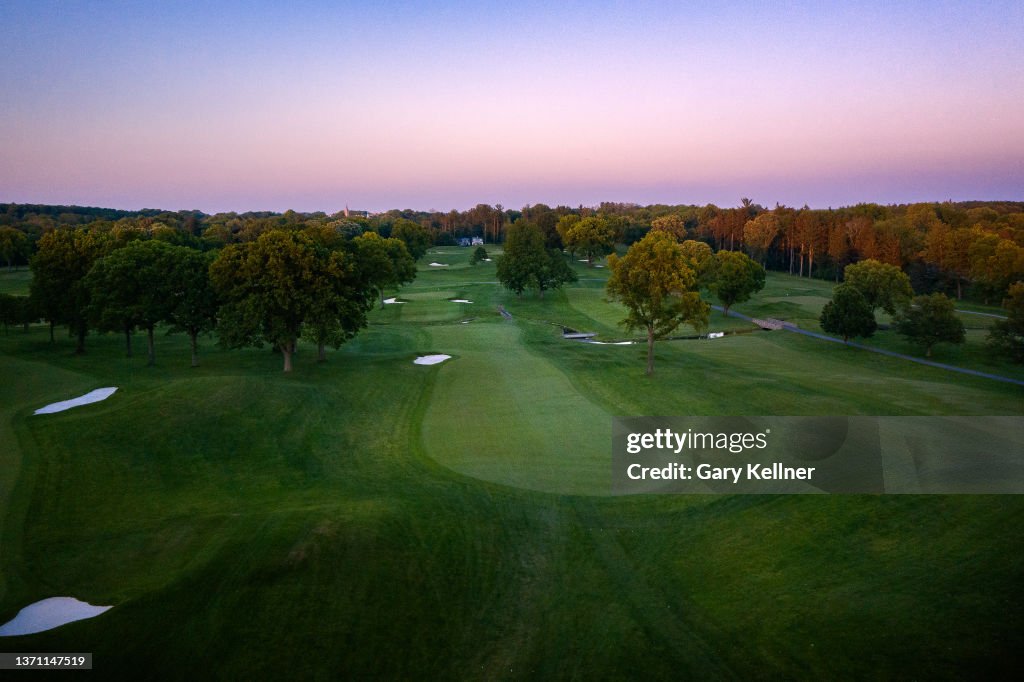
<point x="951" y="247"/>
<point x="317" y="283"/>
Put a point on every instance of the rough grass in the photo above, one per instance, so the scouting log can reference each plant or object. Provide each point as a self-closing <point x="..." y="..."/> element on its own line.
<point x="371" y="518"/>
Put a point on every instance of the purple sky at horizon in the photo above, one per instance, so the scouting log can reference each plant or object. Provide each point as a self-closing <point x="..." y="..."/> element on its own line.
<point x="222" y="106"/>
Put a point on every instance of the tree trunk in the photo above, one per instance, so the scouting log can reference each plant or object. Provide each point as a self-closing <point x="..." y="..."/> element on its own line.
<point x="321" y="352"/>
<point x="810" y="264"/>
<point x="928" y="352"/>
<point x="959" y="293"/>
<point x="195" y="348"/>
<point x="51" y="332"/>
<point x="382" y="298"/>
<point x="725" y="310"/>
<point x="650" y="351"/>
<point x="801" y="261"/>
<point x="151" y="360"/>
<point x="286" y="351"/>
<point x="80" y="347"/>
<point x="128" y="342"/>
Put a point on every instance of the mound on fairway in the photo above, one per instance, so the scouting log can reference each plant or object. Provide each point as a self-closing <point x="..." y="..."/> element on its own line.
<point x="90" y="397"/>
<point x="48" y="614"/>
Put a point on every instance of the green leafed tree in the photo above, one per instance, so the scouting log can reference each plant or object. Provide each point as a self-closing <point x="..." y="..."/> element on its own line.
<point x="130" y="288"/>
<point x="1007" y="336"/>
<point x="672" y="223"/>
<point x="383" y="263"/>
<point x="736" y="278"/>
<point x="527" y="264"/>
<point x="479" y="254"/>
<point x="882" y="285"/>
<point x="341" y="297"/>
<point x="591" y="237"/>
<point x="267" y="287"/>
<point x="63" y="259"/>
<point x="13" y="244"/>
<point x="929" y="320"/>
<point x="657" y="287"/>
<point x="417" y="238"/>
<point x="848" y="314"/>
<point x="193" y="301"/>
<point x="700" y="259"/>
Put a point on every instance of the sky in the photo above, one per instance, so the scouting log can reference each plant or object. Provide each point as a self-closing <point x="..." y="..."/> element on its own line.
<point x="236" y="106"/>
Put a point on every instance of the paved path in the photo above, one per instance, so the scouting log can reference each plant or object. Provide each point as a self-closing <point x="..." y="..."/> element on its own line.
<point x="920" y="361"/>
<point x="971" y="312"/>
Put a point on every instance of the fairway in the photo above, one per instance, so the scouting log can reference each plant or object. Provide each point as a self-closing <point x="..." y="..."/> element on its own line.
<point x="373" y="518"/>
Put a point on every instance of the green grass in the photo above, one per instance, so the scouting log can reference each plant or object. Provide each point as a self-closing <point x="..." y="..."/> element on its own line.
<point x="372" y="518"/>
<point x="15" y="281"/>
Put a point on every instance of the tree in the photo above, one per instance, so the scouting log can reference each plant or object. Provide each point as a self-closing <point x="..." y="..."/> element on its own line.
<point x="193" y="301"/>
<point x="58" y="286"/>
<point x="527" y="264"/>
<point x="700" y="259"/>
<point x="1007" y="336"/>
<point x="736" y="278"/>
<point x="553" y="272"/>
<point x="591" y="237"/>
<point x="759" y="234"/>
<point x="130" y="288"/>
<point x="13" y="244"/>
<point x="479" y="254"/>
<point x="657" y="287"/>
<point x="929" y="320"/>
<point x="340" y="298"/>
<point x="672" y="223"/>
<point x="882" y="285"/>
<point x="383" y="262"/>
<point x="417" y="238"/>
<point x="268" y="288"/>
<point x="848" y="314"/>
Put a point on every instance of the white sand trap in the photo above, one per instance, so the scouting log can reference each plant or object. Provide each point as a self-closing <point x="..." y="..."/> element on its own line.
<point x="487" y="259"/>
<point x="460" y="300"/>
<point x="610" y="343"/>
<point x="392" y="301"/>
<point x="90" y="397"/>
<point x="438" y="265"/>
<point x="430" y="359"/>
<point x="48" y="614"/>
<point x="598" y="266"/>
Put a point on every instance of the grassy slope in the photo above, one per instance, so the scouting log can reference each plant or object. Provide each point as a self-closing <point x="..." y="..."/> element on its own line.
<point x="249" y="524"/>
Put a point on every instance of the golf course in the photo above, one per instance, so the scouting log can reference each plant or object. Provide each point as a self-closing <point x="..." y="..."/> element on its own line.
<point x="373" y="518"/>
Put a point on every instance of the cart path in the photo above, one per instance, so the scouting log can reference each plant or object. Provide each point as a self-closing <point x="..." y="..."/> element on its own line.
<point x="920" y="361"/>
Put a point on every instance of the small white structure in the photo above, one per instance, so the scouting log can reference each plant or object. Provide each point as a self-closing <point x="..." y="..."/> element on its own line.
<point x="477" y="241"/>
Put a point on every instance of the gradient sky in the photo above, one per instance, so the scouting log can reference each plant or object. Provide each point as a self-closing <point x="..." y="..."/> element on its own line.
<point x="314" y="105"/>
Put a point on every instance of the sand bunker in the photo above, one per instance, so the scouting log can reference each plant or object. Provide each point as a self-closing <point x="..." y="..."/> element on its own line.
<point x="430" y="359"/>
<point x="459" y="300"/>
<point x="90" y="397"/>
<point x="48" y="614"/>
<point x="438" y="265"/>
<point x="389" y="301"/>
<point x="609" y="343"/>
